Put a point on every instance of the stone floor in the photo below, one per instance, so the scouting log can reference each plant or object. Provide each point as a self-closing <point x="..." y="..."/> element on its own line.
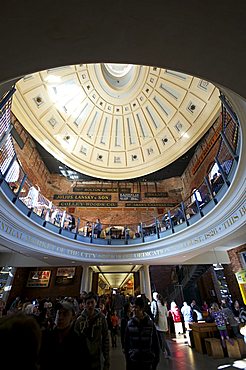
<point x="183" y="358"/>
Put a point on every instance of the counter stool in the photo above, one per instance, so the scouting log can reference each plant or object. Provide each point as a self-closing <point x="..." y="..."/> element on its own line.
<point x="214" y="347"/>
<point x="233" y="349"/>
<point x="242" y="346"/>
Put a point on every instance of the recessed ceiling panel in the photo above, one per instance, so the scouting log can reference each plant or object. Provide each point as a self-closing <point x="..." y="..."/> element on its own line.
<point x="112" y="121"/>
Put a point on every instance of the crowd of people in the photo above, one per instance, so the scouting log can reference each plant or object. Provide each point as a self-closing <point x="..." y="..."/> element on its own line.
<point x="66" y="331"/>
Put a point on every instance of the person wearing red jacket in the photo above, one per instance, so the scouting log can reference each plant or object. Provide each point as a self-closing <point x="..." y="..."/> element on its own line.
<point x="177" y="318"/>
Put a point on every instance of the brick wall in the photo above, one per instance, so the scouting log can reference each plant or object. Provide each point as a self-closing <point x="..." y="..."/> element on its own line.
<point x="51" y="184"/>
<point x="121" y="214"/>
<point x="194" y="173"/>
<point x="30" y="159"/>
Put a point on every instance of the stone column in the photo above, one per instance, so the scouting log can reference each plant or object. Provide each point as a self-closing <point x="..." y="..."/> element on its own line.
<point x="90" y="276"/>
<point x="147" y="282"/>
<point x="141" y="280"/>
<point x="8" y="285"/>
<point x="85" y="278"/>
<point x="145" y="287"/>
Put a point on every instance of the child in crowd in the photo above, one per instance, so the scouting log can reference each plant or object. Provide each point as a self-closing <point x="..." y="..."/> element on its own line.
<point x="114" y="328"/>
<point x="220" y="321"/>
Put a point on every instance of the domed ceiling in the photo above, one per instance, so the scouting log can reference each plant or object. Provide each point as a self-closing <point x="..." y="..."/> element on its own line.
<point x="115" y="121"/>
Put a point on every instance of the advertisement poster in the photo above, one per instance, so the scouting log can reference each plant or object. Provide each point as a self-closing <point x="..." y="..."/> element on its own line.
<point x="38" y="279"/>
<point x="241" y="279"/>
<point x="65" y="275"/>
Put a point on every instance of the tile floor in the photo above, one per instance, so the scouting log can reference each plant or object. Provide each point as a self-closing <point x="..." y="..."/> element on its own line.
<point x="183" y="358"/>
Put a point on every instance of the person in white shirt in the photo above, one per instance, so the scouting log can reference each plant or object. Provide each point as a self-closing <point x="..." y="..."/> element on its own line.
<point x="159" y="309"/>
<point x="33" y="196"/>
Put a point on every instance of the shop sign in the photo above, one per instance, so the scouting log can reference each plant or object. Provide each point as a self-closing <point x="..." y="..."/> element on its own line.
<point x="81" y="189"/>
<point x="81" y="197"/>
<point x="129" y="196"/>
<point x="88" y="204"/>
<point x="150" y="205"/>
<point x="163" y="194"/>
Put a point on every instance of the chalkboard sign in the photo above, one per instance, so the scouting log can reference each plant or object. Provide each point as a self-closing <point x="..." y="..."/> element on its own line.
<point x="129" y="196"/>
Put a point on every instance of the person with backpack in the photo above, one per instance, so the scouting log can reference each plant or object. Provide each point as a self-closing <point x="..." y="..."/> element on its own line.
<point x="142" y="350"/>
<point x="92" y="327"/>
<point x="160" y="314"/>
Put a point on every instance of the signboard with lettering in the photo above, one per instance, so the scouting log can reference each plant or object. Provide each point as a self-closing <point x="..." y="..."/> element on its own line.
<point x="124" y="190"/>
<point x="88" y="204"/>
<point x="81" y="189"/>
<point x="129" y="196"/>
<point x="163" y="194"/>
<point x="176" y="190"/>
<point x="150" y="205"/>
<point x="81" y="197"/>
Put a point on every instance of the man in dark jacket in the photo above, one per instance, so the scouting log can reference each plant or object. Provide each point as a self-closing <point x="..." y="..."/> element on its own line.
<point x="62" y="348"/>
<point x="142" y="348"/>
<point x="92" y="326"/>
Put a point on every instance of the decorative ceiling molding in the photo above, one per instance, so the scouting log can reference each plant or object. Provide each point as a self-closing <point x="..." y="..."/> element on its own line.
<point x="113" y="126"/>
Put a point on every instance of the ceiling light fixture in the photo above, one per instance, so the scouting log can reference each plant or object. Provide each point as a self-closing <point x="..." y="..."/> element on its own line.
<point x="217" y="266"/>
<point x="5" y="270"/>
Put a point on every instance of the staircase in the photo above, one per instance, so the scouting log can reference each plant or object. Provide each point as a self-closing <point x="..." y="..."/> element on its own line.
<point x="187" y="278"/>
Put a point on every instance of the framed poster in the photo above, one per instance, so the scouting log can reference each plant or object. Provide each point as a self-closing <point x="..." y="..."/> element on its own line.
<point x="38" y="279"/>
<point x="65" y="275"/>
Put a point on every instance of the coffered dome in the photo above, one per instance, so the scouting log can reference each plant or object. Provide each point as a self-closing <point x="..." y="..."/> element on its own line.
<point x="115" y="121"/>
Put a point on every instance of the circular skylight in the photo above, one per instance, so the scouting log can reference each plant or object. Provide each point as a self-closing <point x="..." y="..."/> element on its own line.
<point x="118" y="70"/>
